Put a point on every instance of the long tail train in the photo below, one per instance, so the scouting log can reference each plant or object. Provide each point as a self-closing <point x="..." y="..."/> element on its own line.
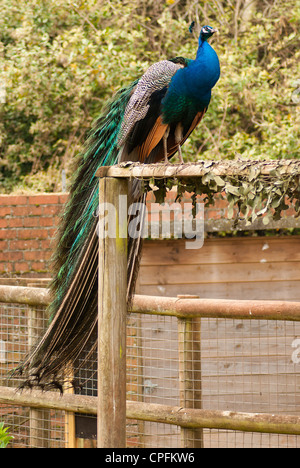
<point x="74" y="289"/>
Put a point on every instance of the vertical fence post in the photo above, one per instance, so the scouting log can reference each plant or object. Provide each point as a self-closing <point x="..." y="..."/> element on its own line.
<point x="39" y="419"/>
<point x="112" y="312"/>
<point x="190" y="380"/>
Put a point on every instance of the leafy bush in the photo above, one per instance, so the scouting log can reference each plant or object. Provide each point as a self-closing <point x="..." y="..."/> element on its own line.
<point x="4" y="437"/>
<point x="61" y="60"/>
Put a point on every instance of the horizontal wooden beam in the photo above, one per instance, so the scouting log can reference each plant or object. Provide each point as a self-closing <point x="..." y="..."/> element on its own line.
<point x="216" y="308"/>
<point x="48" y="400"/>
<point x="200" y="168"/>
<point x="174" y="306"/>
<point x="175" y="415"/>
<point x="24" y="295"/>
<point x="212" y="419"/>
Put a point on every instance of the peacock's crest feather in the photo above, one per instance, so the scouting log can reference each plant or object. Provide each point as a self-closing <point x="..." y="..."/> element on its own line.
<point x="191" y="27"/>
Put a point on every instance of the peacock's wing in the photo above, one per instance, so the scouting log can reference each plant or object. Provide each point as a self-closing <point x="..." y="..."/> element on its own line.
<point x="142" y="126"/>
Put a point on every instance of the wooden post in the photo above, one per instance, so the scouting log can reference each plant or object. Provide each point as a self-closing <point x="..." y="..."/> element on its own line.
<point x="112" y="314"/>
<point x="190" y="382"/>
<point x="39" y="419"/>
<point x="70" y="416"/>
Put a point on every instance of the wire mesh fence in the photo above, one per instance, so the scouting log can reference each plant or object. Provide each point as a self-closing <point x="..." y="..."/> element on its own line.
<point x="214" y="364"/>
<point x="244" y="365"/>
<point x="19" y="327"/>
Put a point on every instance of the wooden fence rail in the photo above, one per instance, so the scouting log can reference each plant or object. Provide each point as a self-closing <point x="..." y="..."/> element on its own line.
<point x="175" y="415"/>
<point x="217" y="308"/>
<point x="174" y="306"/>
<point x="24" y="295"/>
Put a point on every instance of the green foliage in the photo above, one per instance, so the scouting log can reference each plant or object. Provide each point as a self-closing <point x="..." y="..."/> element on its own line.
<point x="61" y="60"/>
<point x="4" y="437"/>
<point x="252" y="189"/>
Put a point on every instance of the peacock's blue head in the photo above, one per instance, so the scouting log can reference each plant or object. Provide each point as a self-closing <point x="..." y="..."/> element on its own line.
<point x="206" y="32"/>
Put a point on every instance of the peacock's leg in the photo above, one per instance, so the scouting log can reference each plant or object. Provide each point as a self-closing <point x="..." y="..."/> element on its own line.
<point x="180" y="154"/>
<point x="165" y="139"/>
<point x="178" y="139"/>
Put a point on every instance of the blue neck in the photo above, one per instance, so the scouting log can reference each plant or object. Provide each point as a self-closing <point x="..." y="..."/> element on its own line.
<point x="204" y="72"/>
<point x="201" y="46"/>
<point x="204" y="48"/>
<point x="193" y="85"/>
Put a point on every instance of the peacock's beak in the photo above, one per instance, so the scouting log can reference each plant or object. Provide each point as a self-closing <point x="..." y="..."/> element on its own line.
<point x="215" y="30"/>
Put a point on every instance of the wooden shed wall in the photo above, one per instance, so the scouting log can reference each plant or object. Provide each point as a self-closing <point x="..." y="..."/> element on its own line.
<point x="231" y="268"/>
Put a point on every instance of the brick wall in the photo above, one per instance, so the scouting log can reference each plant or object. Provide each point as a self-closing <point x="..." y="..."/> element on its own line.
<point x="27" y="227"/>
<point x="28" y="224"/>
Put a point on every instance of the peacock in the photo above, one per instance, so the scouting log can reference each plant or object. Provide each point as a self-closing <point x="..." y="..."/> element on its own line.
<point x="147" y="121"/>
